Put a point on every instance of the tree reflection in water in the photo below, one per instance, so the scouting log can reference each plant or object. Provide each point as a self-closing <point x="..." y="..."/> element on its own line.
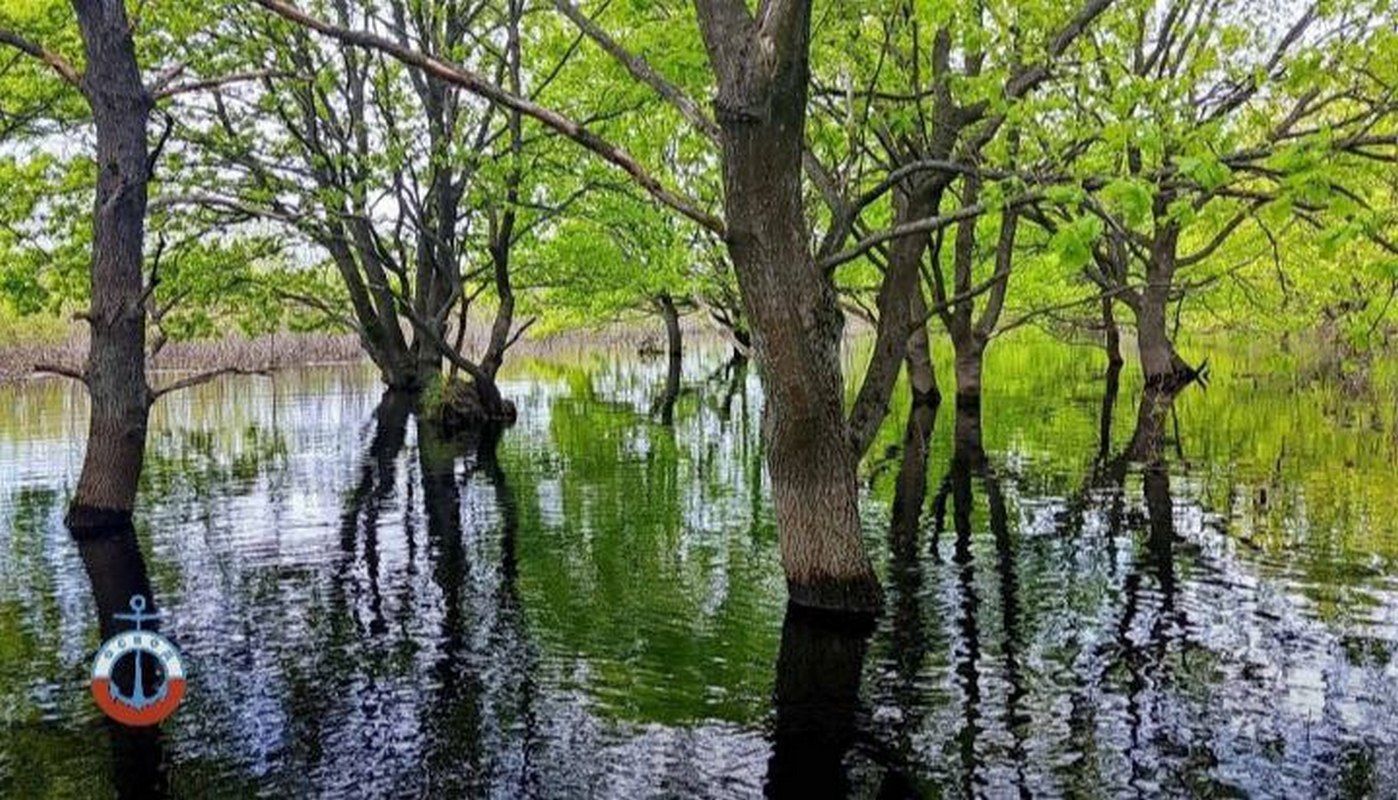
<point x="117" y="570"/>
<point x="591" y="606"/>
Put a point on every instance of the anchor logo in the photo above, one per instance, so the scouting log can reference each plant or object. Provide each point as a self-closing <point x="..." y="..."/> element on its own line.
<point x="142" y="706"/>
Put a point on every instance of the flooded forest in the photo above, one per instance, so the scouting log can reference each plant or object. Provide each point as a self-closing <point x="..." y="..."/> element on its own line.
<point x="698" y="398"/>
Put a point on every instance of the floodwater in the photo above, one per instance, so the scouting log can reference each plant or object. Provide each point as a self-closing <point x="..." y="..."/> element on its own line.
<point x="1089" y="594"/>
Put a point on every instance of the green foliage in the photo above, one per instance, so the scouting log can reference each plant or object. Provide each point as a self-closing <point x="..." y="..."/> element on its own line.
<point x="1073" y="243"/>
<point x="1227" y="127"/>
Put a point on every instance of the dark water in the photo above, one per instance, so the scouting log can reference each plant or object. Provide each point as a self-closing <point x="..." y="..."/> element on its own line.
<point x="1194" y="598"/>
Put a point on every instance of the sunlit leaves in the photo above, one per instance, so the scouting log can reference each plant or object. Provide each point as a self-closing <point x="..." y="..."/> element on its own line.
<point x="1130" y="198"/>
<point x="1205" y="169"/>
<point x="1073" y="242"/>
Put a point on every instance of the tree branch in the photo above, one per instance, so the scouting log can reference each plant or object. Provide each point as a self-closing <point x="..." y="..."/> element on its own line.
<point x="478" y="85"/>
<point x="204" y="377"/>
<point x="641" y="70"/>
<point x="163" y="92"/>
<point x="925" y="225"/>
<point x="58" y="369"/>
<point x="58" y="63"/>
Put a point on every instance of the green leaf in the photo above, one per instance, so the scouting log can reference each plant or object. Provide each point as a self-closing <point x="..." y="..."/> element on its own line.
<point x="1072" y="243"/>
<point x="1129" y="198"/>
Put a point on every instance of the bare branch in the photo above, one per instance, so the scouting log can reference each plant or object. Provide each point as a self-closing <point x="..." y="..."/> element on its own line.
<point x="641" y="70"/>
<point x="163" y="92"/>
<point x="919" y="226"/>
<point x="204" y="377"/>
<point x="59" y="369"/>
<point x="217" y="201"/>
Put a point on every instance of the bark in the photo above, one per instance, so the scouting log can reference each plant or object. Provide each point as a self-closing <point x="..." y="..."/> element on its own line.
<point x="969" y="335"/>
<point x="1104" y="421"/>
<point x="1111" y="334"/>
<point x="504" y="235"/>
<point x="967" y="444"/>
<point x="675" y="347"/>
<point x="896" y="319"/>
<point x="1162" y="365"/>
<point x="116" y="361"/>
<point x="969" y="360"/>
<point x="763" y="74"/>
<point x="1147" y="444"/>
<point x="1153" y="338"/>
<point x="922" y="376"/>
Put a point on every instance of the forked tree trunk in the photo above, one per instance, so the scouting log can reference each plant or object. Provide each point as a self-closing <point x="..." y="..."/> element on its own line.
<point x="763" y="72"/>
<point x="970" y="335"/>
<point x="116" y="361"/>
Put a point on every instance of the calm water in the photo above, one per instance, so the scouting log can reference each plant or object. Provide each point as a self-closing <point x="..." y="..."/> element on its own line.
<point x="1159" y="600"/>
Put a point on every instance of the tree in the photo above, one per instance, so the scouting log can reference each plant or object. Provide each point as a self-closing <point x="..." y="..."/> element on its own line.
<point x="417" y="196"/>
<point x="1191" y="124"/>
<point x="115" y="373"/>
<point x="121" y="298"/>
<point x="933" y="123"/>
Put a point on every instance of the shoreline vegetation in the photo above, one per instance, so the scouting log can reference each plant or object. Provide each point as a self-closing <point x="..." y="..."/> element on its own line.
<point x="287" y="349"/>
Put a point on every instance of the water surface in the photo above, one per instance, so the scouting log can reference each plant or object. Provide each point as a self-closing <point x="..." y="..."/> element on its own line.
<point x="1089" y="594"/>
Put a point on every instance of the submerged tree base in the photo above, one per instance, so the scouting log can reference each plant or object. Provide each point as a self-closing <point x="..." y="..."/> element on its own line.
<point x="454" y="405"/>
<point x="854" y="599"/>
<point x="86" y="522"/>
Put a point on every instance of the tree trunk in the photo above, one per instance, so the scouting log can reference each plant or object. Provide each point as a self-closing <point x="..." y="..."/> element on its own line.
<point x="1111" y="334"/>
<point x="763" y="73"/>
<point x="675" y="348"/>
<point x="1162" y="366"/>
<point x="116" y="360"/>
<point x="891" y="339"/>
<point x="1104" y="420"/>
<point x="1153" y="338"/>
<point x="1147" y="444"/>
<point x="970" y="358"/>
<point x="922" y="376"/>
